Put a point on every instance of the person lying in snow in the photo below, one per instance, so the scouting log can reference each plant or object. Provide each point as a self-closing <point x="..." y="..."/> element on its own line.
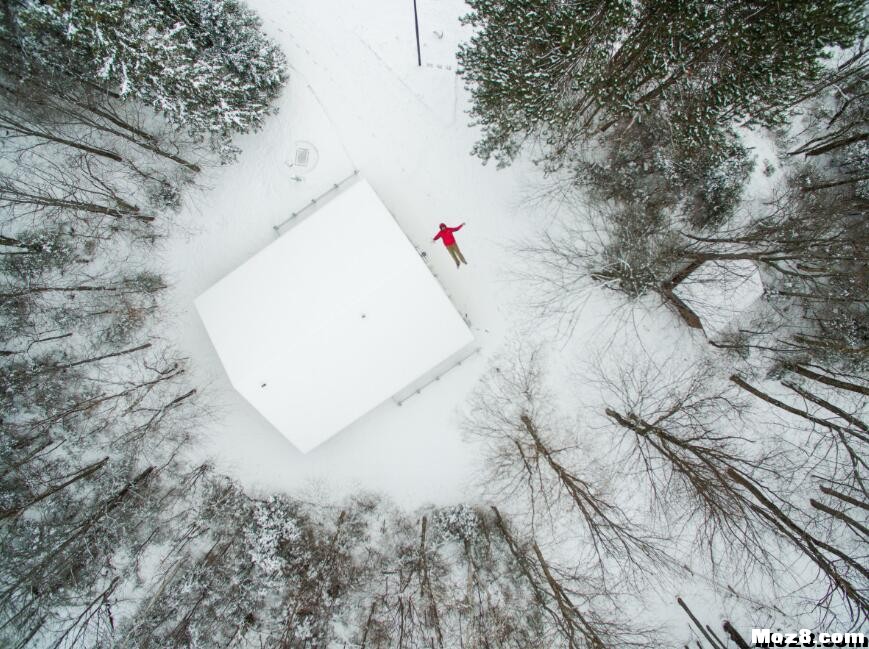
<point x="446" y="235"/>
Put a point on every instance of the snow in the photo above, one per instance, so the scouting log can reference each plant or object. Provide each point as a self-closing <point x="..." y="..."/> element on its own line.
<point x="356" y="94"/>
<point x="719" y="291"/>
<point x="357" y="98"/>
<point x="345" y="314"/>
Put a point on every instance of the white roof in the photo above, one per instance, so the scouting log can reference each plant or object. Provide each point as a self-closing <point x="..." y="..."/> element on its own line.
<point x="331" y="320"/>
<point x="718" y="291"/>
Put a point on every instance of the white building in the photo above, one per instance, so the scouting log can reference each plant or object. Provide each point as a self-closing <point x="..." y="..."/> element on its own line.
<point x="332" y="319"/>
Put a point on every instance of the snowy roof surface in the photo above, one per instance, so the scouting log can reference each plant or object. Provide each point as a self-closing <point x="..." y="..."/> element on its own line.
<point x="331" y="320"/>
<point x="718" y="291"/>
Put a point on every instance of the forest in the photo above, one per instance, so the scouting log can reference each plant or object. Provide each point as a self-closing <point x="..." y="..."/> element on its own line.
<point x="743" y="472"/>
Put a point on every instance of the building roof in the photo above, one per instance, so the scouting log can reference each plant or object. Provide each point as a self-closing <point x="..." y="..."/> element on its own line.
<point x="331" y="320"/>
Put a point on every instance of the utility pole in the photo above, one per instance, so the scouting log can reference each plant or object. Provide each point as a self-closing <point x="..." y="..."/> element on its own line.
<point x="416" y="27"/>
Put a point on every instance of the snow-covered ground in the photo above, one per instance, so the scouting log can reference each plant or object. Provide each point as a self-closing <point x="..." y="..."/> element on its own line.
<point x="358" y="100"/>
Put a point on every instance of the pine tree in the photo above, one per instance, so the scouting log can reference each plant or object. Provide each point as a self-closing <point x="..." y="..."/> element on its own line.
<point x="529" y="58"/>
<point x="204" y="65"/>
<point x="560" y="72"/>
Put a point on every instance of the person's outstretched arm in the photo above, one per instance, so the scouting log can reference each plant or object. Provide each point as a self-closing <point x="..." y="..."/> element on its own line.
<point x="456" y="229"/>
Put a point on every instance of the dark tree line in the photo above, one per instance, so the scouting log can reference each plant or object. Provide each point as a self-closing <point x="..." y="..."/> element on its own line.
<point x="286" y="573"/>
<point x="659" y="197"/>
<point x="204" y="66"/>
<point x="98" y="137"/>
<point x="634" y="111"/>
<point x="561" y="72"/>
<point x="635" y="104"/>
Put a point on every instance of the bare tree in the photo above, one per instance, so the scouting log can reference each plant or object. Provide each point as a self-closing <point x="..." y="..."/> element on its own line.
<point x="532" y="455"/>
<point x="845" y="575"/>
<point x="554" y="592"/>
<point x="78" y="104"/>
<point x="682" y="429"/>
<point x="685" y="431"/>
<point x="845" y="124"/>
<point x="41" y="576"/>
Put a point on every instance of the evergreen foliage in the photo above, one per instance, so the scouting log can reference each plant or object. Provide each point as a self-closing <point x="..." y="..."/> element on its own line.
<point x="641" y="163"/>
<point x="560" y="71"/>
<point x="109" y="538"/>
<point x="95" y="405"/>
<point x="203" y="64"/>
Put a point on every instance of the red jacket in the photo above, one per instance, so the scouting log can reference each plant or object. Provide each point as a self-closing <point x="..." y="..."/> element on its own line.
<point x="446" y="235"/>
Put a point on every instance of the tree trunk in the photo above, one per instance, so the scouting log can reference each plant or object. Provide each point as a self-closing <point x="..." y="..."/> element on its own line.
<point x="851" y="419"/>
<point x="88" y="404"/>
<point x="836" y="183"/>
<point x="16" y="197"/>
<point x="697" y="624"/>
<point x="844" y="497"/>
<point x="101" y="511"/>
<point x="809" y="545"/>
<point x="685" y="312"/>
<point x="826" y="380"/>
<point x="86" y="615"/>
<point x="734" y="635"/>
<point x="86" y="361"/>
<point x="567" y="607"/>
<point x="679" y="277"/>
<point x="24" y="130"/>
<point x="425" y="583"/>
<point x="15" y="243"/>
<point x="780" y="404"/>
<point x="143" y="140"/>
<point x="836" y="144"/>
<point x="842" y="516"/>
<point x="78" y="475"/>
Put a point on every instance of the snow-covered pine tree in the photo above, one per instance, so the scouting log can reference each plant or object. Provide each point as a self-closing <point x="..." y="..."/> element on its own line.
<point x="203" y="64"/>
<point x="530" y="61"/>
<point x="559" y="72"/>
